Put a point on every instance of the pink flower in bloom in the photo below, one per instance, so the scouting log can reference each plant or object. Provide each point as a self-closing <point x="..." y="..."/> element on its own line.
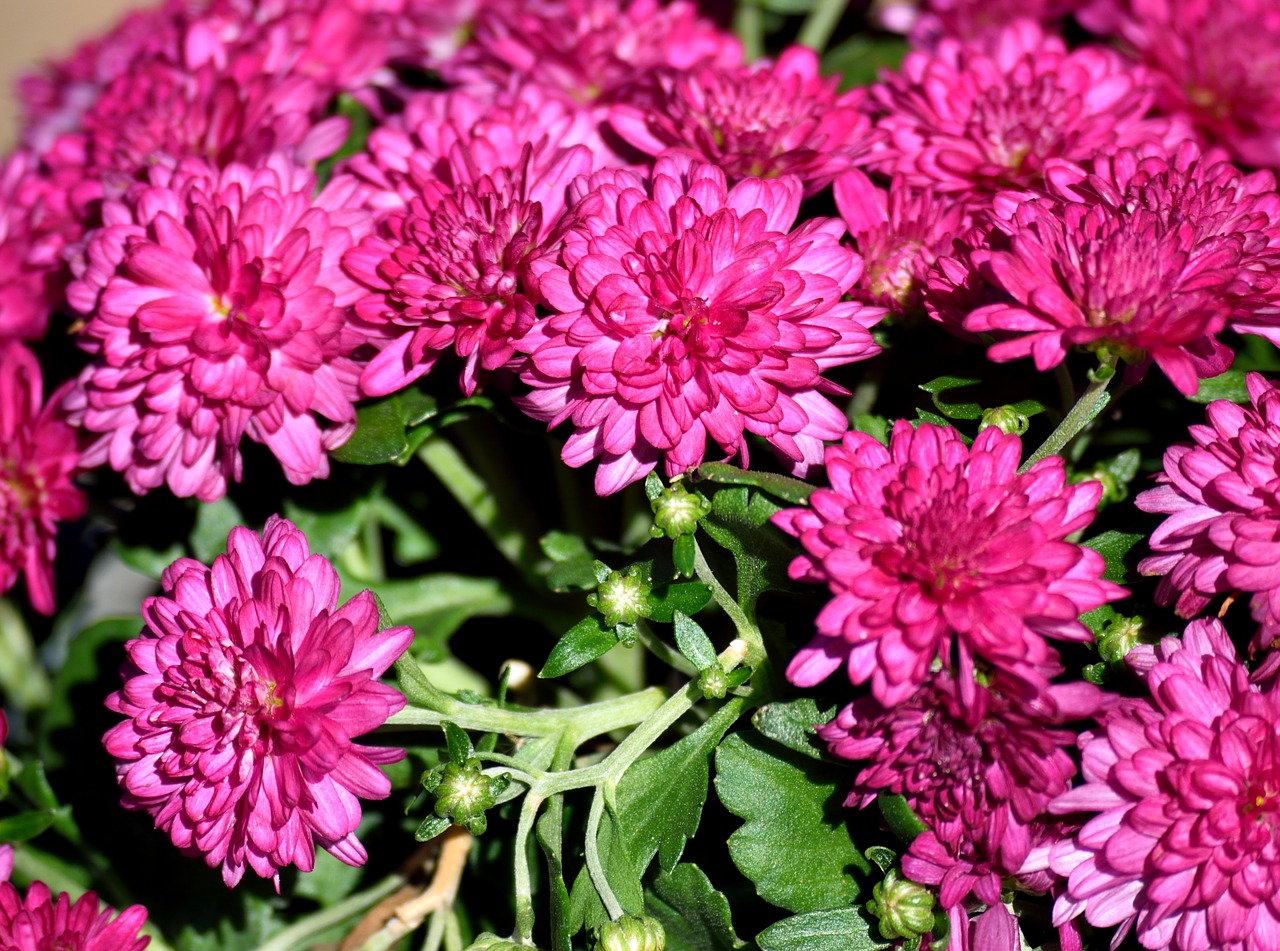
<point x="38" y="457"/>
<point x="1182" y="789"/>
<point x="933" y="550"/>
<point x="931" y="20"/>
<point x="980" y="116"/>
<point x="979" y="777"/>
<point x="899" y="234"/>
<point x="243" y="694"/>
<point x="687" y="311"/>
<point x="35" y="226"/>
<point x="218" y="309"/>
<point x="757" y="121"/>
<point x="40" y="921"/>
<point x="454" y="272"/>
<point x="1222" y="496"/>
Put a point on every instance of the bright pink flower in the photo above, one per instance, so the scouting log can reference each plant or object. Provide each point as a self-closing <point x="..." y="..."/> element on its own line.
<point x="687" y="311"/>
<point x="38" y="457"/>
<point x="35" y="227"/>
<point x="455" y="271"/>
<point x="218" y="309"/>
<point x="1222" y="496"/>
<point x="243" y="694"/>
<point x="1183" y="792"/>
<point x="899" y="233"/>
<point x="928" y="21"/>
<point x="41" y="922"/>
<point x="757" y="121"/>
<point x="935" y="551"/>
<point x="980" y="116"/>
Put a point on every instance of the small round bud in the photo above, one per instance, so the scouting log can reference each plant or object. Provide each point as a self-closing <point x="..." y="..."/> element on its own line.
<point x="488" y="941"/>
<point x="464" y="792"/>
<point x="1112" y="490"/>
<point x="677" y="511"/>
<point x="631" y="933"/>
<point x="714" y="682"/>
<point x="1006" y="419"/>
<point x="623" y="598"/>
<point x="1119" y="637"/>
<point x="905" y="908"/>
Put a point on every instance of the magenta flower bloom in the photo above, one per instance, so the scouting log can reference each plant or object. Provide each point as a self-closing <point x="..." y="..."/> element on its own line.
<point x="936" y="551"/>
<point x="243" y="694"/>
<point x="928" y="21"/>
<point x="1220" y="493"/>
<point x="455" y="272"/>
<point x="217" y="309"/>
<point x="688" y="311"/>
<point x="1183" y="795"/>
<point x="984" y="115"/>
<point x="757" y="121"/>
<point x="39" y="921"/>
<point x="35" y="227"/>
<point x="38" y="457"/>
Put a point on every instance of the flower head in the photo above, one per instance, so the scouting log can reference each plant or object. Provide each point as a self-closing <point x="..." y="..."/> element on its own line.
<point x="40" y="921"/>
<point x="1182" y="791"/>
<point x="217" y="308"/>
<point x="935" y="551"/>
<point x="688" y="311"/>
<point x="35" y="226"/>
<point x="243" y="694"/>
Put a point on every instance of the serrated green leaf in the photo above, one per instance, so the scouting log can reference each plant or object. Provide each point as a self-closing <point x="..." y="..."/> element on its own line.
<point x="792" y="724"/>
<point x="693" y="642"/>
<point x="240" y="921"/>
<point x="780" y="486"/>
<point x="214" y="521"/>
<point x="1226" y="386"/>
<point x="739" y="523"/>
<point x="390" y="429"/>
<point x="1114" y="547"/>
<point x="794" y="845"/>
<point x="28" y="825"/>
<point x="834" y="929"/>
<point x="859" y="59"/>
<point x="693" y="914"/>
<point x="687" y="598"/>
<point x="943" y="384"/>
<point x="581" y="644"/>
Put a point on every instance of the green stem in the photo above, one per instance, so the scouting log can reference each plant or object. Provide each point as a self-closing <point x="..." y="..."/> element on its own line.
<point x="821" y="22"/>
<point x="594" y="867"/>
<point x="748" y="23"/>
<point x="1091" y="402"/>
<point x="747" y="629"/>
<point x="662" y="650"/>
<point x="524" y="887"/>
<point x="299" y="932"/>
<point x="372" y="539"/>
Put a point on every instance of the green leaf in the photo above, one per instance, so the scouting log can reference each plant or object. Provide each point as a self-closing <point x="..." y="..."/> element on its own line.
<point x="214" y="521"/>
<point x="874" y="426"/>
<point x="1114" y="547"/>
<point x="693" y="914"/>
<point x="687" y="598"/>
<point x="1028" y="407"/>
<point x="459" y="743"/>
<point x="573" y="565"/>
<point x="860" y="59"/>
<point x="943" y="384"/>
<point x="684" y="555"/>
<point x="435" y="606"/>
<point x="792" y="724"/>
<point x="1099" y="618"/>
<point x="431" y="827"/>
<point x="788" y="7"/>
<point x="360" y="125"/>
<point x="834" y="929"/>
<point x="329" y="882"/>
<point x="392" y="428"/>
<point x="794" y="845"/>
<point x="783" y="487"/>
<point x="147" y="561"/>
<point x="583" y="643"/>
<point x="899" y="817"/>
<point x="694" y="643"/>
<point x="329" y="531"/>
<point x="739" y="523"/>
<point x="1227" y="386"/>
<point x="28" y="825"/>
<point x="411" y="543"/>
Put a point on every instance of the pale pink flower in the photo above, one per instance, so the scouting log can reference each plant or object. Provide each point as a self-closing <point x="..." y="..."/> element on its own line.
<point x="455" y="272"/>
<point x="938" y="552"/>
<point x="979" y="116"/>
<point x="39" y="921"/>
<point x="38" y="457"/>
<point x="243" y="694"/>
<point x="758" y="121"/>
<point x="217" y="309"/>
<point x="1222" y="496"/>
<point x="687" y="310"/>
<point x="1181" y="794"/>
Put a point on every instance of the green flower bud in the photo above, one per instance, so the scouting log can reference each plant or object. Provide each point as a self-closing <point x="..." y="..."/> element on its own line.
<point x="677" y="511"/>
<point x="1006" y="419"/>
<point x="1112" y="490"/>
<point x="1119" y="637"/>
<point x="623" y="598"/>
<point x="905" y="908"/>
<point x="631" y="933"/>
<point x="714" y="682"/>
<point x="488" y="941"/>
<point x="464" y="792"/>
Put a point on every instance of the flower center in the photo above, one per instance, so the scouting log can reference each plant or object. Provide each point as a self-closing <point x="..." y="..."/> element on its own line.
<point x="703" y="328"/>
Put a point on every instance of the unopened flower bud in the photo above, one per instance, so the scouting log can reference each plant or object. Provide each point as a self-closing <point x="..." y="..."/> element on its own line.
<point x="488" y="941"/>
<point x="677" y="511"/>
<point x="714" y="682"/>
<point x="464" y="792"/>
<point x="905" y="908"/>
<point x="1119" y="637"/>
<point x="1112" y="490"/>
<point x="623" y="598"/>
<point x="1005" y="418"/>
<point x="631" y="933"/>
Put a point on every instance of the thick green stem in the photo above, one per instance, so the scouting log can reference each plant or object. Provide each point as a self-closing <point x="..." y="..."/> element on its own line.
<point x="821" y="22"/>
<point x="524" y="888"/>
<point x="1091" y="402"/>
<point x="298" y="934"/>
<point x="748" y="23"/>
<point x="747" y="630"/>
<point x="662" y="650"/>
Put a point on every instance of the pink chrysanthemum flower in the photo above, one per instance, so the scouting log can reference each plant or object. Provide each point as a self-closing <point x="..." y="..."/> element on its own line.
<point x="38" y="457"/>
<point x="757" y="121"/>
<point x="899" y="233"/>
<point x="687" y="311"/>
<point x="928" y="21"/>
<point x="455" y="271"/>
<point x="1220" y="493"/>
<point x="35" y="226"/>
<point x="979" y="778"/>
<point x="1183" y="788"/>
<point x="39" y="921"/>
<point x="935" y="551"/>
<point x="980" y="116"/>
<point x="218" y="309"/>
<point x="243" y="694"/>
